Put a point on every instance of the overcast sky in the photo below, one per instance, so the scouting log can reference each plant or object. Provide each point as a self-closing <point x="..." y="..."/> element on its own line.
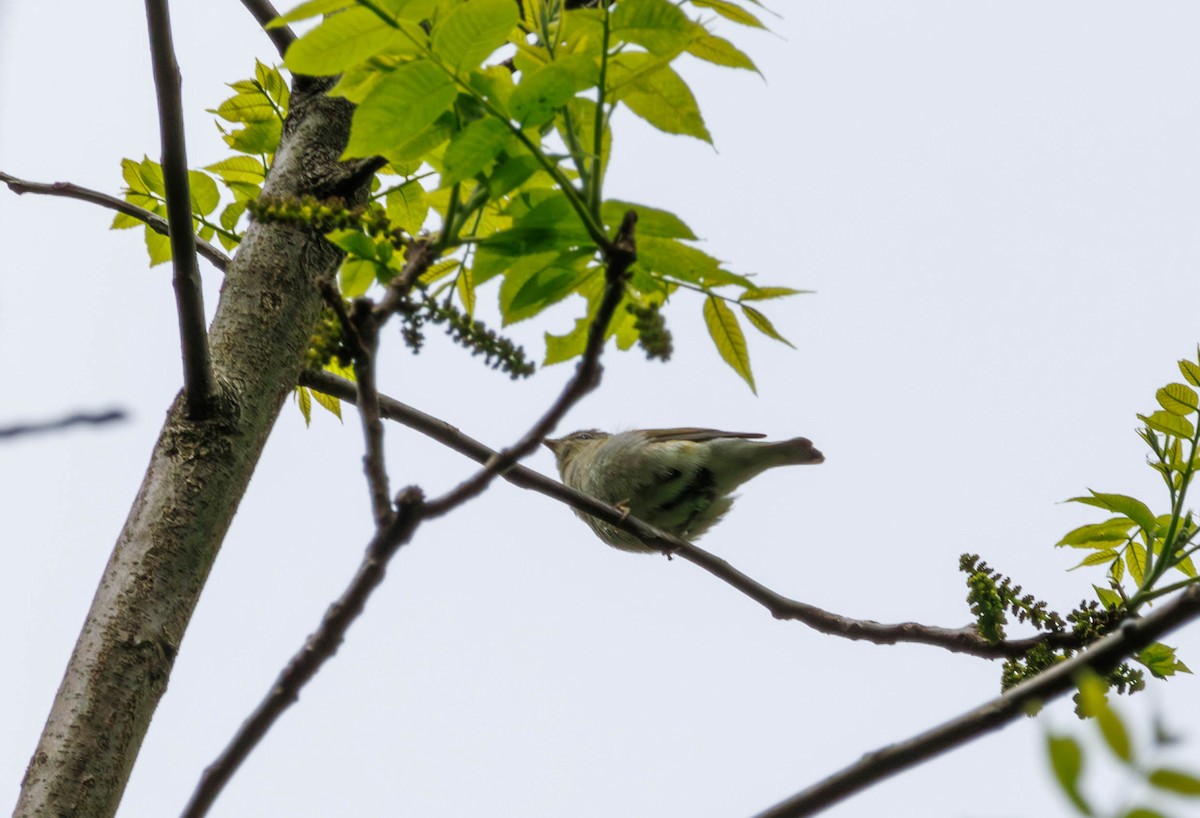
<point x="996" y="203"/>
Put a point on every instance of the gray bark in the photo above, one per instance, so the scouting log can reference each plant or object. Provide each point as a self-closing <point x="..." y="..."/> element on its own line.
<point x="197" y="474"/>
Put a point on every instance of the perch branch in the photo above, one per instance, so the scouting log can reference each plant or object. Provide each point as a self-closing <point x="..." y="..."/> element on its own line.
<point x="958" y="640"/>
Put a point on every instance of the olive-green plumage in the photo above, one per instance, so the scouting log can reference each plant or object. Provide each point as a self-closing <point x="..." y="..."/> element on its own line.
<point x="679" y="480"/>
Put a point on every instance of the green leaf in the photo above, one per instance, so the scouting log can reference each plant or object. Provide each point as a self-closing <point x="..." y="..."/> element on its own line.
<point x="539" y="95"/>
<point x="329" y="402"/>
<point x="1191" y="372"/>
<point x="730" y="11"/>
<point x="257" y="137"/>
<point x="1108" y="598"/>
<point x="552" y="224"/>
<point x="544" y="288"/>
<point x="532" y="279"/>
<point x="123" y="221"/>
<point x="1175" y="781"/>
<point x="416" y="149"/>
<point x="465" y="286"/>
<point x="1116" y="571"/>
<point x="354" y="242"/>
<point x="1186" y="567"/>
<point x="473" y="148"/>
<point x="143" y="177"/>
<point x="406" y="207"/>
<point x="727" y="335"/>
<point x="1085" y="536"/>
<point x="304" y="398"/>
<point x="244" y="169"/>
<point x="204" y="193"/>
<point x="763" y="293"/>
<point x="1132" y="508"/>
<point x="229" y="219"/>
<point x="340" y="41"/>
<point x="1093" y="701"/>
<point x="657" y="95"/>
<point x="510" y="173"/>
<point x="671" y="258"/>
<point x="658" y="25"/>
<point x="1168" y="424"/>
<point x="158" y="246"/>
<point x="1135" y="559"/>
<point x="719" y="51"/>
<point x="419" y="89"/>
<point x="1177" y="399"/>
<point x="311" y="8"/>
<point x="561" y="348"/>
<point x="437" y="272"/>
<point x="246" y="107"/>
<point x="472" y="31"/>
<point x="1066" y="759"/>
<point x="1098" y="558"/>
<point x="763" y="324"/>
<point x="1161" y="661"/>
<point x="356" y="276"/>
<point x="651" y="221"/>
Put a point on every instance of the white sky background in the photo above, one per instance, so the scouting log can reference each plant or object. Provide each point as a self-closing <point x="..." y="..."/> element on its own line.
<point x="997" y="203"/>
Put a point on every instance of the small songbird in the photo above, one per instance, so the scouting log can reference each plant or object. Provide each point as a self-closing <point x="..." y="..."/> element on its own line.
<point x="678" y="480"/>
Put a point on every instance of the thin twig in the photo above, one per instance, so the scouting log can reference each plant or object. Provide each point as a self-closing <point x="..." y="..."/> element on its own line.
<point x="77" y="419"/>
<point x="368" y="394"/>
<point x="360" y="333"/>
<point x="198" y="384"/>
<point x="957" y="640"/>
<point x="264" y="12"/>
<point x="411" y="511"/>
<point x="1102" y="657"/>
<point x="152" y="220"/>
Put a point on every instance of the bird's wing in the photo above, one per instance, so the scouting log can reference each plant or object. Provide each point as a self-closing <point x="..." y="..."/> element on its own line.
<point x="697" y="435"/>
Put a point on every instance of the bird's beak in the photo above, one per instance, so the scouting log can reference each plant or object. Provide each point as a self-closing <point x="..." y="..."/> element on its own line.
<point x="552" y="444"/>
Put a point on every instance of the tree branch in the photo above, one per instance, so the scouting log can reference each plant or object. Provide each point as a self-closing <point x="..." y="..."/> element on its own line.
<point x="76" y="419"/>
<point x="152" y="220"/>
<point x="264" y="12"/>
<point x="957" y="640"/>
<point x="1102" y="657"/>
<point x="198" y="384"/>
<point x="412" y="510"/>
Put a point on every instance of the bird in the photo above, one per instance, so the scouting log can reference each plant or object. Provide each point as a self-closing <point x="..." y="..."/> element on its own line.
<point x="678" y="480"/>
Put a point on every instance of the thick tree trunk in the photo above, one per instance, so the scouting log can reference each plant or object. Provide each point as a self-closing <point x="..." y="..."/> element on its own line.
<point x="197" y="475"/>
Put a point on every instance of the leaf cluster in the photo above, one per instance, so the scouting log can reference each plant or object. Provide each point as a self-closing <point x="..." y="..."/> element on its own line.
<point x="495" y="121"/>
<point x="1067" y="757"/>
<point x="496" y="117"/>
<point x="1138" y="549"/>
<point x="256" y="113"/>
